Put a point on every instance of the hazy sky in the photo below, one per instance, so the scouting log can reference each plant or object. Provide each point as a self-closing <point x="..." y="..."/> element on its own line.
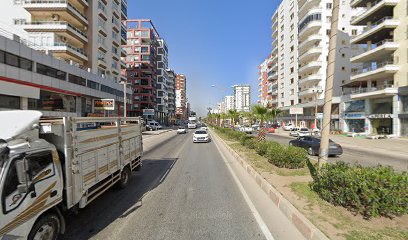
<point x="212" y="42"/>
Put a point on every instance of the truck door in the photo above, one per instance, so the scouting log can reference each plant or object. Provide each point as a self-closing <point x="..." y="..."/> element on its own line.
<point x="23" y="201"/>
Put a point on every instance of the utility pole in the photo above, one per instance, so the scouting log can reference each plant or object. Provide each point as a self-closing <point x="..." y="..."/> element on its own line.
<point x="324" y="142"/>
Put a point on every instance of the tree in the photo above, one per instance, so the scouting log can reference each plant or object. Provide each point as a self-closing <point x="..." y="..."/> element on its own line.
<point x="261" y="113"/>
<point x="234" y="115"/>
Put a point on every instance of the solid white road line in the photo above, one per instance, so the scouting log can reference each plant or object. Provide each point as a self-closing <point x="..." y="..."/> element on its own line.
<point x="257" y="216"/>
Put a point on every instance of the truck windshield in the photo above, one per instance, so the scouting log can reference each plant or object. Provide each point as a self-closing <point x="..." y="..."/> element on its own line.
<point x="4" y="152"/>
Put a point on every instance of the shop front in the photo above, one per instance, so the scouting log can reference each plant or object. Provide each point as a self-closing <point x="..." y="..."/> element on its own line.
<point x="403" y="116"/>
<point x="381" y="124"/>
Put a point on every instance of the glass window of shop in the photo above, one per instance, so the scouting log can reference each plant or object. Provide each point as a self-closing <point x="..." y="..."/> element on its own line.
<point x="51" y="72"/>
<point x="355" y="106"/>
<point x="50" y="101"/>
<point x="76" y="80"/>
<point x="404" y="104"/>
<point x="15" y="61"/>
<point x="9" y="102"/>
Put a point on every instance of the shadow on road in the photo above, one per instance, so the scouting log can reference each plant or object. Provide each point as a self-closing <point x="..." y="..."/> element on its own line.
<point x="115" y="204"/>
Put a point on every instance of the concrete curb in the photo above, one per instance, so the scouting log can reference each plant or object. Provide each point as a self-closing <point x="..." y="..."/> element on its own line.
<point x="308" y="230"/>
<point x="156" y="133"/>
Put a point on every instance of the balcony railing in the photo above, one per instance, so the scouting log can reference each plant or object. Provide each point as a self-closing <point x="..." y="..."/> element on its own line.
<point x="378" y="44"/>
<point x="60" y="23"/>
<point x="375" y="24"/>
<point x="40" y="2"/>
<point x="78" y="50"/>
<point x="372" y="68"/>
<point x="373" y="4"/>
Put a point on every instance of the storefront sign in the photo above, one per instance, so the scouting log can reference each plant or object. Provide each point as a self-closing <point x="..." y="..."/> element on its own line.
<point x="380" y="116"/>
<point x="296" y="111"/>
<point x="104" y="104"/>
<point x="148" y="112"/>
<point x="319" y="115"/>
<point x="353" y="115"/>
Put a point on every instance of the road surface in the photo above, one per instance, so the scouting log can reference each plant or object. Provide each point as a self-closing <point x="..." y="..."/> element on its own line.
<point x="184" y="191"/>
<point x="352" y="155"/>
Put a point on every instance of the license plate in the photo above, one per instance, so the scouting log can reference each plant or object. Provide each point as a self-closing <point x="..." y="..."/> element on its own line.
<point x="333" y="147"/>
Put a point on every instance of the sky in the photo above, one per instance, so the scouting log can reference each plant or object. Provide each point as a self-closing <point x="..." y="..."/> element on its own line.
<point x="212" y="42"/>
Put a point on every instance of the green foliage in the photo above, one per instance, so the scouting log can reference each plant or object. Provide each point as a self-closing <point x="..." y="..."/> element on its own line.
<point x="262" y="148"/>
<point x="248" y="141"/>
<point x="370" y="191"/>
<point x="296" y="157"/>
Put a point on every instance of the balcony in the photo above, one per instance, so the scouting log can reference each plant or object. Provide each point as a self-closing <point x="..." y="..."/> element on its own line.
<point x="115" y="9"/>
<point x="312" y="53"/>
<point x="378" y="51"/>
<point x="123" y="52"/>
<point x="63" y="27"/>
<point x="377" y="31"/>
<point x="309" y="91"/>
<point x="313" y="65"/>
<point x="102" y="62"/>
<point x="309" y="12"/>
<point x="309" y="4"/>
<point x="310" y="41"/>
<point x="122" y="64"/>
<point x="312" y="27"/>
<point x="60" y="49"/>
<point x="383" y="91"/>
<point x="384" y="70"/>
<point x="102" y="11"/>
<point x="374" y="12"/>
<point x="102" y="28"/>
<point x="63" y="8"/>
<point x="272" y="75"/>
<point x="310" y="79"/>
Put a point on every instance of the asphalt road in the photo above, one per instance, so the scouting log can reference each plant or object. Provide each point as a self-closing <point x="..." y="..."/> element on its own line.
<point x="352" y="155"/>
<point x="184" y="191"/>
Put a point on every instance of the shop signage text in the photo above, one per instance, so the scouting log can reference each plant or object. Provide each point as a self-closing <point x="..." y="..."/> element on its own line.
<point x="380" y="116"/>
<point x="104" y="104"/>
<point x="148" y="112"/>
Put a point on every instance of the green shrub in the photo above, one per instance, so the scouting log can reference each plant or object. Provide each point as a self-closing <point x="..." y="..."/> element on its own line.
<point x="295" y="157"/>
<point x="370" y="191"/>
<point x="262" y="148"/>
<point x="248" y="141"/>
<point x="276" y="154"/>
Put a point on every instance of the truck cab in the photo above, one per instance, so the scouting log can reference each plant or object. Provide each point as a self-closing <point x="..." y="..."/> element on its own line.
<point x="31" y="181"/>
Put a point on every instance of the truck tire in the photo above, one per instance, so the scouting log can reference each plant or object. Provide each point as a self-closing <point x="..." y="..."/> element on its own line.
<point x="124" y="178"/>
<point x="46" y="228"/>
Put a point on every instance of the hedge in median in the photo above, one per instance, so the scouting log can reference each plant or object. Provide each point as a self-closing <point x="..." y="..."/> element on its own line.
<point x="370" y="191"/>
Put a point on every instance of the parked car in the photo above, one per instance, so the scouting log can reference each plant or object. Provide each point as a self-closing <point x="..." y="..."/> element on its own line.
<point x="304" y="132"/>
<point x="255" y="127"/>
<point x="288" y="127"/>
<point x="312" y="145"/>
<point x="247" y="129"/>
<point x="294" y="132"/>
<point x="201" y="136"/>
<point x="153" y="126"/>
<point x="181" y="130"/>
<point x="271" y="129"/>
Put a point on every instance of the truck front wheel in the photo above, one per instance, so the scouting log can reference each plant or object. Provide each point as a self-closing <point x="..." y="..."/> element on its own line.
<point x="124" y="178"/>
<point x="46" y="228"/>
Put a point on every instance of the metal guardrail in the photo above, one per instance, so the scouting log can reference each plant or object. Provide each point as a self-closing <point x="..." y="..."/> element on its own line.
<point x="21" y="40"/>
<point x="372" y="68"/>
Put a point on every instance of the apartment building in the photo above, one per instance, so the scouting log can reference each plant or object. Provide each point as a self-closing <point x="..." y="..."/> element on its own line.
<point x="376" y="96"/>
<point x="182" y="107"/>
<point x="301" y="32"/>
<point x="263" y="84"/>
<point x="283" y="74"/>
<point x="34" y="80"/>
<point x="242" y="97"/>
<point x="86" y="34"/>
<point x="221" y="107"/>
<point x="171" y="93"/>
<point x="163" y="82"/>
<point x="229" y="103"/>
<point x="141" y="65"/>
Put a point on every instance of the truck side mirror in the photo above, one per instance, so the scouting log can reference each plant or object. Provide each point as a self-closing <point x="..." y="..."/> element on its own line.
<point x="22" y="168"/>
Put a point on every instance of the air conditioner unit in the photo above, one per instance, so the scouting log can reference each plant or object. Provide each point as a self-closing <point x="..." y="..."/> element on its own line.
<point x="55" y="17"/>
<point x="64" y="39"/>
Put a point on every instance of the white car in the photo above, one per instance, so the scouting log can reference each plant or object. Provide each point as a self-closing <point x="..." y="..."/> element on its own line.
<point x="201" y="136"/>
<point x="152" y="126"/>
<point x="181" y="130"/>
<point x="294" y="132"/>
<point x="288" y="127"/>
<point x="300" y="132"/>
<point x="204" y="128"/>
<point x="247" y="129"/>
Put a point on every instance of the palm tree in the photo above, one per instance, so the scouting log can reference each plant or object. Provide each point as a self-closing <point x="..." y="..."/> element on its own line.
<point x="234" y="115"/>
<point x="261" y="113"/>
<point x="223" y="116"/>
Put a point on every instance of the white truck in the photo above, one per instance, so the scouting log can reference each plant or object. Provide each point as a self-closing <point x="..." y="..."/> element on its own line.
<point x="50" y="167"/>
<point x="192" y="123"/>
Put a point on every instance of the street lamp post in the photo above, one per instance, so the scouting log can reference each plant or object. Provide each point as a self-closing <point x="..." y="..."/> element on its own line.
<point x="124" y="98"/>
<point x="316" y="92"/>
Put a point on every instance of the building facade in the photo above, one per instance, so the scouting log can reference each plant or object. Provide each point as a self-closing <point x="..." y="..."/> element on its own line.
<point x="171" y="108"/>
<point x="163" y="82"/>
<point x="263" y="84"/>
<point x="141" y="65"/>
<point x="33" y="80"/>
<point x="229" y="102"/>
<point x="375" y="97"/>
<point x="242" y="98"/>
<point x="181" y="98"/>
<point x="86" y="34"/>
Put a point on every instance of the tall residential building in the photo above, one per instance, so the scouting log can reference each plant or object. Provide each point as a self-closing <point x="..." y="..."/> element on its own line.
<point x="376" y="96"/>
<point x="242" y="97"/>
<point x="163" y="82"/>
<point x="181" y="97"/>
<point x="171" y="95"/>
<point x="83" y="33"/>
<point x="141" y="63"/>
<point x="301" y="32"/>
<point x="264" y="86"/>
<point x="229" y="103"/>
<point x="283" y="74"/>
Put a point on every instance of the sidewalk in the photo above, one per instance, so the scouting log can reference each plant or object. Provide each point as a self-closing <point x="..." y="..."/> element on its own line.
<point x="393" y="146"/>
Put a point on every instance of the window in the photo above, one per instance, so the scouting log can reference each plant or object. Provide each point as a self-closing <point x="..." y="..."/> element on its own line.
<point x="354" y="32"/>
<point x="12" y="182"/>
<point x="292" y="80"/>
<point x="292" y="102"/>
<point x="292" y="91"/>
<point x="328" y="5"/>
<point x="92" y="84"/>
<point x="37" y="162"/>
<point x="51" y="72"/>
<point x="12" y="60"/>
<point x="328" y="32"/>
<point x="343" y="42"/>
<point x="16" y="61"/>
<point x="292" y="69"/>
<point x="292" y="16"/>
<point x="292" y="48"/>
<point x="9" y="102"/>
<point x="308" y="19"/>
<point x="76" y="80"/>
<point x="343" y="68"/>
<point x="343" y="55"/>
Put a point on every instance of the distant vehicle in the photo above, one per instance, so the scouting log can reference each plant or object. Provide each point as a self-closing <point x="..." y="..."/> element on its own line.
<point x="255" y="127"/>
<point x="288" y="127"/>
<point x="153" y="126"/>
<point x="192" y="123"/>
<point x="201" y="136"/>
<point x="247" y="129"/>
<point x="181" y="130"/>
<point x="204" y="127"/>
<point x="270" y="129"/>
<point x="304" y="132"/>
<point x="312" y="145"/>
<point x="294" y="132"/>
